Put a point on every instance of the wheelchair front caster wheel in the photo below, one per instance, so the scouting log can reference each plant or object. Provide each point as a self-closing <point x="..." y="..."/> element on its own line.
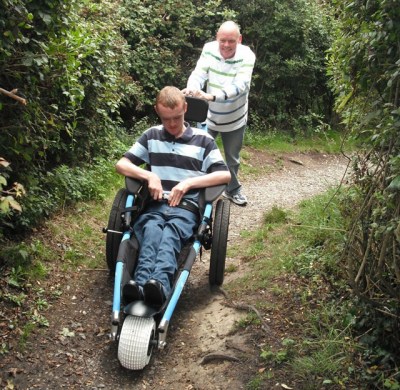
<point x="136" y="342"/>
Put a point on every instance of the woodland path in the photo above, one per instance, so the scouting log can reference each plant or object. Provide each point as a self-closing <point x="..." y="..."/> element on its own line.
<point x="202" y="325"/>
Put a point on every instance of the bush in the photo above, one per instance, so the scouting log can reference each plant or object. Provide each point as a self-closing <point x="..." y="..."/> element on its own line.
<point x="365" y="75"/>
<point x="70" y="62"/>
<point x="290" y="39"/>
<point x="59" y="188"/>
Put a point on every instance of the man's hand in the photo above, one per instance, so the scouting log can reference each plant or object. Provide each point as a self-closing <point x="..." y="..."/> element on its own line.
<point x="203" y="95"/>
<point x="198" y="94"/>
<point x="176" y="194"/>
<point x="155" y="187"/>
<point x="188" y="92"/>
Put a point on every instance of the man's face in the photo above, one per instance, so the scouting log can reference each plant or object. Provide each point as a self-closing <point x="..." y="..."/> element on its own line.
<point x="172" y="118"/>
<point x="228" y="40"/>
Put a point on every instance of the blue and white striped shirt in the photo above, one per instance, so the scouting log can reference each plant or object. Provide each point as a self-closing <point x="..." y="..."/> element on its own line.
<point x="172" y="159"/>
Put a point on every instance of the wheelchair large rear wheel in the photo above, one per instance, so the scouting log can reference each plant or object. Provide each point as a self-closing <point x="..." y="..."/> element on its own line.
<point x="114" y="229"/>
<point x="136" y="342"/>
<point x="219" y="242"/>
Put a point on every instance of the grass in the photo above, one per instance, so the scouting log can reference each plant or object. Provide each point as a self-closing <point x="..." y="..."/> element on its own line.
<point x="295" y="260"/>
<point x="290" y="255"/>
<point x="247" y="168"/>
<point x="280" y="142"/>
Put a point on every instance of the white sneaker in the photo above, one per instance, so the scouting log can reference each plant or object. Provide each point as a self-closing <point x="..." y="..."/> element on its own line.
<point x="238" y="198"/>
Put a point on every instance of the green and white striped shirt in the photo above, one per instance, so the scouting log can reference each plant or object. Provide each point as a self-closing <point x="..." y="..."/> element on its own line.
<point x="229" y="81"/>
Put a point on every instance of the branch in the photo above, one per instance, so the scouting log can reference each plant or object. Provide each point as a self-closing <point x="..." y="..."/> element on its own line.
<point x="364" y="260"/>
<point x="12" y="95"/>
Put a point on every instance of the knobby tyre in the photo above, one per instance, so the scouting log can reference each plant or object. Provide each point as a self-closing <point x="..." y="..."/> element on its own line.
<point x="219" y="242"/>
<point x="113" y="240"/>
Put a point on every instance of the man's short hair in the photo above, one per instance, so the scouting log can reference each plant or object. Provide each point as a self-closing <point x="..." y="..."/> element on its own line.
<point x="229" y="25"/>
<point x="170" y="97"/>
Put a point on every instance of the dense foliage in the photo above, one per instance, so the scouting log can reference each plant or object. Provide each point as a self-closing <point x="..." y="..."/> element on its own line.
<point x="290" y="39"/>
<point x="89" y="71"/>
<point x="69" y="61"/>
<point x="160" y="35"/>
<point x="365" y="69"/>
<point x="73" y="81"/>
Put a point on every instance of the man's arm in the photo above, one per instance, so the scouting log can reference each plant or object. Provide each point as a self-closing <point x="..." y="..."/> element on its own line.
<point x="199" y="76"/>
<point x="241" y="82"/>
<point x="125" y="167"/>
<point x="206" y="68"/>
<point x="208" y="180"/>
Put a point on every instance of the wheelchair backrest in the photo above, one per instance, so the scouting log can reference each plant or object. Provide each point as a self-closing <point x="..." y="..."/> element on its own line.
<point x="197" y="109"/>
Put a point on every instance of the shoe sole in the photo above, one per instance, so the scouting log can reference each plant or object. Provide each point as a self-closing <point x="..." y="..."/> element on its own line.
<point x="153" y="296"/>
<point x="131" y="294"/>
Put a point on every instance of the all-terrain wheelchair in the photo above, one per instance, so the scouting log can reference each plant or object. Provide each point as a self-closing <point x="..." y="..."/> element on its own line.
<point x="139" y="328"/>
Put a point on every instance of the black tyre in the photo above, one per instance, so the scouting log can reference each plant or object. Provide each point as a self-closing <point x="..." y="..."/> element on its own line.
<point x="113" y="239"/>
<point x="219" y="242"/>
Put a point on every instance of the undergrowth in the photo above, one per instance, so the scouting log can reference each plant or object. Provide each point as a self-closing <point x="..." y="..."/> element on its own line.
<point x="69" y="240"/>
<point x="296" y="257"/>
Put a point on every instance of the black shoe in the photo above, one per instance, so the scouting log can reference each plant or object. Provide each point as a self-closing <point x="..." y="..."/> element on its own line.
<point x="131" y="292"/>
<point x="153" y="293"/>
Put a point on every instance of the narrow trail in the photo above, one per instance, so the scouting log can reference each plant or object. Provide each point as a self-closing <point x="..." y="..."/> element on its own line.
<point x="202" y="351"/>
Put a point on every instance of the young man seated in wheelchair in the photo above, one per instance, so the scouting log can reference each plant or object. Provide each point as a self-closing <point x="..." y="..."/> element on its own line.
<point x="176" y="161"/>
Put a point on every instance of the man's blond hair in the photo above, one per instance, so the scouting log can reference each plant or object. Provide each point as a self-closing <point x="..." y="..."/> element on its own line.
<point x="170" y="97"/>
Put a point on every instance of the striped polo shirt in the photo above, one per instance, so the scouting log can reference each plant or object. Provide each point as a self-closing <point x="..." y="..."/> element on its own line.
<point x="172" y="159"/>
<point x="229" y="81"/>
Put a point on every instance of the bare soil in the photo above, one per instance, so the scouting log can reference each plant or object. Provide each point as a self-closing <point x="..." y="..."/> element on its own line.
<point x="206" y="350"/>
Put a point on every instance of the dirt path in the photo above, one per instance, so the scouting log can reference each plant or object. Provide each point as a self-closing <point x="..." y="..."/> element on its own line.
<point x="75" y="352"/>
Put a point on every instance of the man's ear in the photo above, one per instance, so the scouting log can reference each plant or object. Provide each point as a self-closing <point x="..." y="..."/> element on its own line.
<point x="155" y="108"/>
<point x="186" y="106"/>
<point x="240" y="38"/>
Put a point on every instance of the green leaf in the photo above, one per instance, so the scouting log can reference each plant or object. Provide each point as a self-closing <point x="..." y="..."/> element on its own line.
<point x="45" y="17"/>
<point x="28" y="60"/>
<point x="345" y="101"/>
<point x="4" y="206"/>
<point x="14" y="204"/>
<point x="13" y="282"/>
<point x="395" y="184"/>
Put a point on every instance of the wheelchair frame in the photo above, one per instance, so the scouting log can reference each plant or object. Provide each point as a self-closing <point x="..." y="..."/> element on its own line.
<point x="136" y="327"/>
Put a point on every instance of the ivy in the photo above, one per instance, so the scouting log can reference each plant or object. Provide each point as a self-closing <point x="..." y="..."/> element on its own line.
<point x="71" y="64"/>
<point x="9" y="194"/>
<point x="166" y="39"/>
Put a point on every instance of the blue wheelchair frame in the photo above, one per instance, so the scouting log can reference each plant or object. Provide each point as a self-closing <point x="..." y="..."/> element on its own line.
<point x="122" y="254"/>
<point x="124" y="266"/>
